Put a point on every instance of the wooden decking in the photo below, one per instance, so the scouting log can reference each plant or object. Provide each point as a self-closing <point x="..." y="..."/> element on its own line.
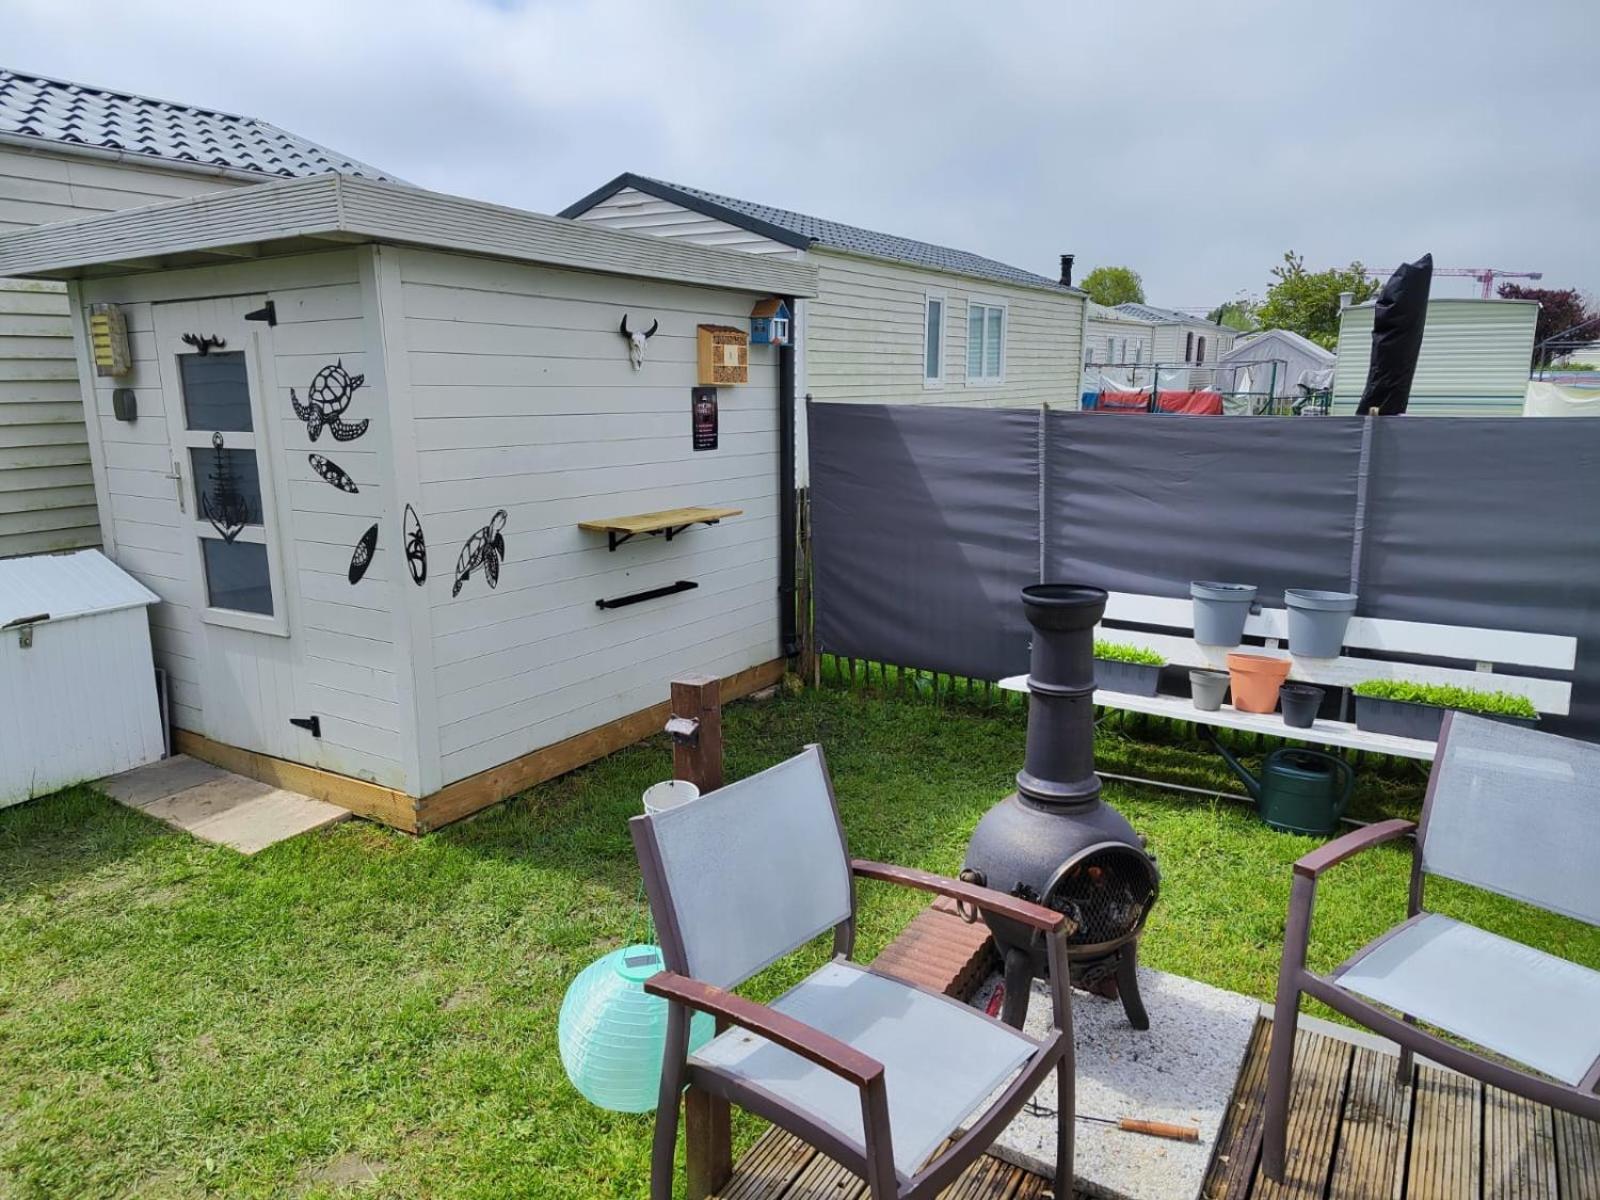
<point x="1356" y="1134"/>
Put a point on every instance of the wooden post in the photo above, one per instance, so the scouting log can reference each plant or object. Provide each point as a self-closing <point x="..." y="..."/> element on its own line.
<point x="699" y="759"/>
<point x="707" y="1120"/>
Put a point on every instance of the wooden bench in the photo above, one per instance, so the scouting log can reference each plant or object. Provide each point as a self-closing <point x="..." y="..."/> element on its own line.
<point x="1491" y="659"/>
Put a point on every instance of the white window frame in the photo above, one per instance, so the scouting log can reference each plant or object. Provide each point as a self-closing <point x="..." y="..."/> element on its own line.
<point x="934" y="382"/>
<point x="986" y="303"/>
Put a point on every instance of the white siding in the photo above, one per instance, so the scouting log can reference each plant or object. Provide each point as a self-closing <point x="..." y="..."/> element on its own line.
<point x="864" y="337"/>
<point x="632" y="211"/>
<point x="340" y="658"/>
<point x="46" y="491"/>
<point x="1102" y="327"/>
<point x="1474" y="359"/>
<point x="524" y="400"/>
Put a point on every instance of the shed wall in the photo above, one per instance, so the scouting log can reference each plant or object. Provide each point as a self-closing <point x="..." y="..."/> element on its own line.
<point x="1474" y="359"/>
<point x="632" y="211"/>
<point x="46" y="489"/>
<point x="344" y="662"/>
<point x="524" y="400"/>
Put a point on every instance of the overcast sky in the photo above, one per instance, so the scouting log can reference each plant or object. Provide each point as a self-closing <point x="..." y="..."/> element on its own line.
<point x="1193" y="142"/>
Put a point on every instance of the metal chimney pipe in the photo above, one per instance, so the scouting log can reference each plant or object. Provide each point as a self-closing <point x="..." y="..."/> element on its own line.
<point x="1058" y="769"/>
<point x="1066" y="270"/>
<point x="1346" y="299"/>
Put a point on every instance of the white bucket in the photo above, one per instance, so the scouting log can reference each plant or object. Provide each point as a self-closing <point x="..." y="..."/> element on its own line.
<point x="669" y="793"/>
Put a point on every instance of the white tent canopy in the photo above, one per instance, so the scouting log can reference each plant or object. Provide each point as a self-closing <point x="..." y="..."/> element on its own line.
<point x="1299" y="360"/>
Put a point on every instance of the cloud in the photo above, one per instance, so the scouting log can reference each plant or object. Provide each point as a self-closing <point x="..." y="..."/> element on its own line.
<point x="1194" y="144"/>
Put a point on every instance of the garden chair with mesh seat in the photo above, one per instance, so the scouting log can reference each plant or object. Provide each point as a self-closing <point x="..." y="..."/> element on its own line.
<point x="875" y="1072"/>
<point x="1508" y="810"/>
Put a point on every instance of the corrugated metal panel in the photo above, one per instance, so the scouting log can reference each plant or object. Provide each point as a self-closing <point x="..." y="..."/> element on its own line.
<point x="339" y="205"/>
<point x="1473" y="362"/>
<point x="67" y="585"/>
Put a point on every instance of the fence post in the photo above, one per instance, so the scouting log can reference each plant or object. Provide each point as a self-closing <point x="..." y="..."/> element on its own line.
<point x="697" y="752"/>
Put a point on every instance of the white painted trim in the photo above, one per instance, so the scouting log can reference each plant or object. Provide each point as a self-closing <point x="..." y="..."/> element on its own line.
<point x="1326" y="733"/>
<point x="987" y="302"/>
<point x="930" y="297"/>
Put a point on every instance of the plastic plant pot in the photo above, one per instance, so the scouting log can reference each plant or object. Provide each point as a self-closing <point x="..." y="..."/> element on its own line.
<point x="1220" y="610"/>
<point x="1208" y="688"/>
<point x="1133" y="679"/>
<point x="1255" y="679"/>
<point x="1317" y="621"/>
<point x="669" y="793"/>
<point x="1300" y="703"/>
<point x="1407" y="718"/>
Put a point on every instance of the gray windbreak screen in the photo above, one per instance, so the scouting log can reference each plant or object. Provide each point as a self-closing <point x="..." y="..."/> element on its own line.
<point x="1491" y="522"/>
<point x="926" y="526"/>
<point x="1147" y="505"/>
<point x="926" y="523"/>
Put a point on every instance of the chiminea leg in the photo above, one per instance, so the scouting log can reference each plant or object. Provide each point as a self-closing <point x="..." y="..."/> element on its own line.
<point x="1128" y="987"/>
<point x="1018" y="985"/>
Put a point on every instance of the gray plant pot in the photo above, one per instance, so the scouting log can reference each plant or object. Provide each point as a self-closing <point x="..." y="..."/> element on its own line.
<point x="1406" y="718"/>
<point x="1317" y="621"/>
<point x="1299" y="702"/>
<point x="1136" y="679"/>
<point x="1208" y="688"/>
<point x="1220" y="610"/>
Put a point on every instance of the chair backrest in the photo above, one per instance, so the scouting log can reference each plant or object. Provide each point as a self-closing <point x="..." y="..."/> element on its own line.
<point x="747" y="873"/>
<point x="1517" y="812"/>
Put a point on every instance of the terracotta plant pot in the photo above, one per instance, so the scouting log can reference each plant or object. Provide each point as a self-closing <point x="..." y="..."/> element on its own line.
<point x="1207" y="688"/>
<point x="1255" y="680"/>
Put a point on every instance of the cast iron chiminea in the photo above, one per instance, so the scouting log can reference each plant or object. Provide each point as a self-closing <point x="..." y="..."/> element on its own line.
<point x="1053" y="840"/>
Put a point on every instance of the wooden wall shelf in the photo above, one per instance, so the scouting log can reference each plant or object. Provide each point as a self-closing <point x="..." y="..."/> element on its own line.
<point x="669" y="522"/>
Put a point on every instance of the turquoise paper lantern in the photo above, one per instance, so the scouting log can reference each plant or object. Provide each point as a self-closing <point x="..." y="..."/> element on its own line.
<point x="612" y="1034"/>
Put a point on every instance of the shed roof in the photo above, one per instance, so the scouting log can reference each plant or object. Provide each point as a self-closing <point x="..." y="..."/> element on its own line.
<point x="1167" y="316"/>
<point x="802" y="231"/>
<point x="300" y="215"/>
<point x="66" y="585"/>
<point x="76" y="115"/>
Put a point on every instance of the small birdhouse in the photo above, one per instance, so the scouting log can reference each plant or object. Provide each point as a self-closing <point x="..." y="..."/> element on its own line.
<point x="769" y="323"/>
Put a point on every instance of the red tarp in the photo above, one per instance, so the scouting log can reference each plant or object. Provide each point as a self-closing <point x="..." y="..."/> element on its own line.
<point x="1123" y="402"/>
<point x="1194" y="404"/>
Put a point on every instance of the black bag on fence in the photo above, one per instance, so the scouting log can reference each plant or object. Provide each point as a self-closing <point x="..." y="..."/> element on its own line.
<point x="1397" y="327"/>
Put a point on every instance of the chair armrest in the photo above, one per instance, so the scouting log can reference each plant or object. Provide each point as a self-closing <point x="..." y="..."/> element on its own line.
<point x="811" y="1044"/>
<point x="1024" y="912"/>
<point x="1341" y="848"/>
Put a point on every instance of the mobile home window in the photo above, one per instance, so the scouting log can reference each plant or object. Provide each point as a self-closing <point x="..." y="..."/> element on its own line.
<point x="933" y="341"/>
<point x="1188" y="347"/>
<point x="1200" y="351"/>
<point x="986" y="338"/>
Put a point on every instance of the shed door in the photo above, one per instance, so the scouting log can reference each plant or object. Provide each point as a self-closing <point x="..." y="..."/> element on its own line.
<point x="216" y="376"/>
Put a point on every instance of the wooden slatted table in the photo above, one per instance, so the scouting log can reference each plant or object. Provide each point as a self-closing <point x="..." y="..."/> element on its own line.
<point x="668" y="522"/>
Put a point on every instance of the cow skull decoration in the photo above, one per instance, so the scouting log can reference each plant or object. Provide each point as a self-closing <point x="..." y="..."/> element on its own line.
<point x="636" y="341"/>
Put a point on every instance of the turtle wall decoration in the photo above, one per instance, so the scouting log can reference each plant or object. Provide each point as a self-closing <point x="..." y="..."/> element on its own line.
<point x="328" y="396"/>
<point x="416" y="547"/>
<point x="484" y="549"/>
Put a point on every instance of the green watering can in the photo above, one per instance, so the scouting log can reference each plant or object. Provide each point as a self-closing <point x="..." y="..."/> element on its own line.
<point x="1300" y="791"/>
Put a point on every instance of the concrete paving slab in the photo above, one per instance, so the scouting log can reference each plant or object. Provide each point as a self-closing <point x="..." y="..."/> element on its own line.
<point x="266" y="820"/>
<point x="1182" y="1069"/>
<point x="205" y="800"/>
<point x="158" y="780"/>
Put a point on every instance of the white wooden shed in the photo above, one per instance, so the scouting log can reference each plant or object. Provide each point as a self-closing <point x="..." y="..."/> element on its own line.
<point x="77" y="685"/>
<point x="391" y="463"/>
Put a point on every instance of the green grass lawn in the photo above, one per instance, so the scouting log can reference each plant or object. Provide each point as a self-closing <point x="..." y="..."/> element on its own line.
<point x="359" y="1012"/>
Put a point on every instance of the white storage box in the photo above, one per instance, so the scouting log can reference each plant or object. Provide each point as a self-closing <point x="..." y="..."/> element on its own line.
<point x="77" y="681"/>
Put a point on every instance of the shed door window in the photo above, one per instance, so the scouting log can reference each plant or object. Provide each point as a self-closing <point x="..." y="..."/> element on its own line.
<point x="985" y="342"/>
<point x="226" y="497"/>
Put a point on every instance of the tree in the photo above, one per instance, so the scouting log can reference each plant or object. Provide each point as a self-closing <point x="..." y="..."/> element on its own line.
<point x="1563" y="315"/>
<point x="1112" y="286"/>
<point x="1307" y="302"/>
<point x="1237" y="314"/>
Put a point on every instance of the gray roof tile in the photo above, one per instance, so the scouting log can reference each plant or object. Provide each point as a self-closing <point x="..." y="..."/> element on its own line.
<point x="798" y="229"/>
<point x="55" y="110"/>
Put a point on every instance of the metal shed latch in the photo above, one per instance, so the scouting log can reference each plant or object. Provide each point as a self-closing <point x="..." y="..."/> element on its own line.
<point x="24" y="627"/>
<point x="684" y="730"/>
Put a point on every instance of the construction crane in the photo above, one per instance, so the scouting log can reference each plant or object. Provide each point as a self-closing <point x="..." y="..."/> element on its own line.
<point x="1484" y="275"/>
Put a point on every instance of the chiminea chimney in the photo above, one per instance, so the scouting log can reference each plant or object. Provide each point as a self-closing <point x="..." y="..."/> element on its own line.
<point x="1066" y="270"/>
